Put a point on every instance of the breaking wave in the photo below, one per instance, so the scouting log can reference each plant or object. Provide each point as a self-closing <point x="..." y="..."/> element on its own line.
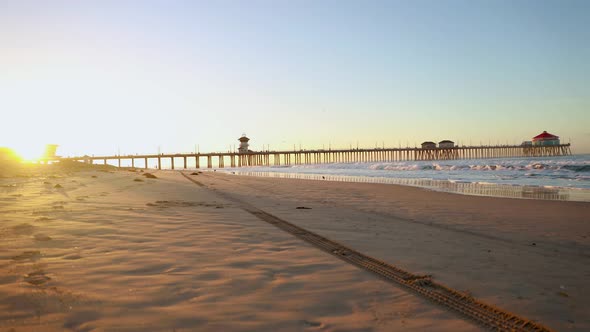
<point x="569" y="171"/>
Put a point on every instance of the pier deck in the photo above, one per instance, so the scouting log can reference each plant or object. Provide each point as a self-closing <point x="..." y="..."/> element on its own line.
<point x="301" y="157"/>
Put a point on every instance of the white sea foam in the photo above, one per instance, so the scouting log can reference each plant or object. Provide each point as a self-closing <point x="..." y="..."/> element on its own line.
<point x="563" y="172"/>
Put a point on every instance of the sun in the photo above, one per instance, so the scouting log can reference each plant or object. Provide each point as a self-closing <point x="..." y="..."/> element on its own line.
<point x="25" y="154"/>
<point x="27" y="157"/>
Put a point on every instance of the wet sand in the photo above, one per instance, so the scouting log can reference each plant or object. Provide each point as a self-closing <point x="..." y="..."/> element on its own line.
<point x="116" y="251"/>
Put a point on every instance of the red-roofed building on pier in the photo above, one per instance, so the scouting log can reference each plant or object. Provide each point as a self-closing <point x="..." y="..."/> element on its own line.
<point x="545" y="139"/>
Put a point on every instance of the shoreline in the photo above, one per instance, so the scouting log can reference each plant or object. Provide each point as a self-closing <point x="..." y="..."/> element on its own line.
<point x="485" y="189"/>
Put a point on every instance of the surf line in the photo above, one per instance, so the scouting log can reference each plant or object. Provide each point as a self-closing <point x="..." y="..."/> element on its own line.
<point x="486" y="315"/>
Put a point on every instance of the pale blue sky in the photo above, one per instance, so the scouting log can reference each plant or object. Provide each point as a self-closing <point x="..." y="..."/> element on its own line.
<point x="131" y="76"/>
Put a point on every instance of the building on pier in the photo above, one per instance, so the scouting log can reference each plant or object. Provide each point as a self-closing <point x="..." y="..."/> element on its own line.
<point x="428" y="145"/>
<point x="243" y="148"/>
<point x="446" y="144"/>
<point x="545" y="139"/>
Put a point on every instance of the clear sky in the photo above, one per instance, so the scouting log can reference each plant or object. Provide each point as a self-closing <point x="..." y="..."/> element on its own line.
<point x="102" y="77"/>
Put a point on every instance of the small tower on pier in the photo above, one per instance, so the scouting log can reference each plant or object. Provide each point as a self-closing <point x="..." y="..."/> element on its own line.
<point x="243" y="144"/>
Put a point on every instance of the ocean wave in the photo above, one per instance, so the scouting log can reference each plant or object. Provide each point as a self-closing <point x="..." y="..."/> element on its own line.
<point x="576" y="168"/>
<point x="570" y="171"/>
<point x="460" y="165"/>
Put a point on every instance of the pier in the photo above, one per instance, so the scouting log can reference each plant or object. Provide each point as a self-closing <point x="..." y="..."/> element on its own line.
<point x="321" y="156"/>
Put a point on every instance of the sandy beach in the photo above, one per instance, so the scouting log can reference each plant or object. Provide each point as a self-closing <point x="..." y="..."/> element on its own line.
<point x="270" y="166"/>
<point x="116" y="251"/>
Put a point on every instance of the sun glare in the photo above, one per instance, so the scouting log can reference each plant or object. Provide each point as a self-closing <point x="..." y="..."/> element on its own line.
<point x="23" y="155"/>
<point x="9" y="155"/>
<point x="29" y="157"/>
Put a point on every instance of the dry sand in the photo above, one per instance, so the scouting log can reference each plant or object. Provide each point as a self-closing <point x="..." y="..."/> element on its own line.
<point x="115" y="251"/>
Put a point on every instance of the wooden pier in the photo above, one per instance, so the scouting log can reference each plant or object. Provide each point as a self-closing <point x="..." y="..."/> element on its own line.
<point x="303" y="157"/>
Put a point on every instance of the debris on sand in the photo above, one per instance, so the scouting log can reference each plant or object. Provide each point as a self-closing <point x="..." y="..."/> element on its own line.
<point x="303" y="208"/>
<point x="42" y="237"/>
<point x="27" y="255"/>
<point x="57" y="186"/>
<point x="36" y="278"/>
<point x="150" y="176"/>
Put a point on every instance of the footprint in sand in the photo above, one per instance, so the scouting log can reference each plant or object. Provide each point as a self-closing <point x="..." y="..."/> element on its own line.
<point x="313" y="325"/>
<point x="40" y="212"/>
<point x="36" y="278"/>
<point x="23" y="229"/>
<point x="178" y="203"/>
<point x="42" y="237"/>
<point x="78" y="320"/>
<point x="32" y="255"/>
<point x="72" y="257"/>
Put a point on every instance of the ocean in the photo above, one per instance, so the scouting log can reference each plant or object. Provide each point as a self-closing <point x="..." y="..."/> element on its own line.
<point x="553" y="178"/>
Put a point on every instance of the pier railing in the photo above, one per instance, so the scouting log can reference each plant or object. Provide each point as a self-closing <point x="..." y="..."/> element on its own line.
<point x="301" y="157"/>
